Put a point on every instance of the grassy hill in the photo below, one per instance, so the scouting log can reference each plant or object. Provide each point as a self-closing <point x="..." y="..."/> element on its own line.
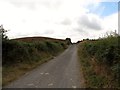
<point x="38" y="39"/>
<point x="23" y="54"/>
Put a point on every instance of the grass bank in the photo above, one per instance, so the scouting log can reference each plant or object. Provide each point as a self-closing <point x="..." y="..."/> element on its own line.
<point x="100" y="60"/>
<point x="20" y="57"/>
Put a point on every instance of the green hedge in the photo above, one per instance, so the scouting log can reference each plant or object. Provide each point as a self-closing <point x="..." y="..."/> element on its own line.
<point x="106" y="51"/>
<point x="18" y="51"/>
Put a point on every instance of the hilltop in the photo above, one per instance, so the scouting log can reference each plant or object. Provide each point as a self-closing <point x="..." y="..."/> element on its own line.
<point x="34" y="39"/>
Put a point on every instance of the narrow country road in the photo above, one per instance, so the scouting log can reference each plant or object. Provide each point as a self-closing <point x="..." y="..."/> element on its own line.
<point x="60" y="72"/>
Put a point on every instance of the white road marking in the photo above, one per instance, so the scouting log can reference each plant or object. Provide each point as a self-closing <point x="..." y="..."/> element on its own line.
<point x="31" y="84"/>
<point x="41" y="73"/>
<point x="74" y="87"/>
<point x="36" y="86"/>
<point x="46" y="73"/>
<point x="51" y="84"/>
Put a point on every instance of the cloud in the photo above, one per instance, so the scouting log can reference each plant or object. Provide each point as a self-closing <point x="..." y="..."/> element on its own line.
<point x="54" y="18"/>
<point x="109" y="0"/>
<point x="93" y="26"/>
<point x="66" y="21"/>
<point x="90" y="21"/>
<point x="49" y="32"/>
<point x="34" y="4"/>
<point x="110" y="23"/>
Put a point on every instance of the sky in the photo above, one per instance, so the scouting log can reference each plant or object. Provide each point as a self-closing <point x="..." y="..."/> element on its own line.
<point x="75" y="19"/>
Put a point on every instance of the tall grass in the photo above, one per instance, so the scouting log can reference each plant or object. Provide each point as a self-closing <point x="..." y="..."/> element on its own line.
<point x="103" y="58"/>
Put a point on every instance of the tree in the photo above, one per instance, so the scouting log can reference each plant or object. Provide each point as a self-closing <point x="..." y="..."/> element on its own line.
<point x="3" y="33"/>
<point x="68" y="40"/>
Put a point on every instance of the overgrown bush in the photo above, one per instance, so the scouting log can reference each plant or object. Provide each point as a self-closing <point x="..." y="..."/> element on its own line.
<point x="106" y="51"/>
<point x="18" y="51"/>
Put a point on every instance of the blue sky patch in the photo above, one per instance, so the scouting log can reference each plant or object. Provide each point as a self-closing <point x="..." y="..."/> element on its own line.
<point x="105" y="8"/>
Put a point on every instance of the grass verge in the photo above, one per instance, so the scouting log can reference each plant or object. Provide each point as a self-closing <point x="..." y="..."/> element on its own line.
<point x="13" y="72"/>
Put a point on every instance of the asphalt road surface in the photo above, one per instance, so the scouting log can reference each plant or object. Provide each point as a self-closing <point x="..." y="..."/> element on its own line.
<point x="61" y="72"/>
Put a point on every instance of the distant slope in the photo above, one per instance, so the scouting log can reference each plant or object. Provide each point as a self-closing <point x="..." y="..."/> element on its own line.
<point x="34" y="39"/>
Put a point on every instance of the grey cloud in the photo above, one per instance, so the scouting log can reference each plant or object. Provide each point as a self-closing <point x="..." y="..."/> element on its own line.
<point x="52" y="3"/>
<point x="92" y="23"/>
<point x="66" y="22"/>
<point x="48" y="32"/>
<point x="23" y="3"/>
<point x="32" y="3"/>
<point x="81" y="31"/>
